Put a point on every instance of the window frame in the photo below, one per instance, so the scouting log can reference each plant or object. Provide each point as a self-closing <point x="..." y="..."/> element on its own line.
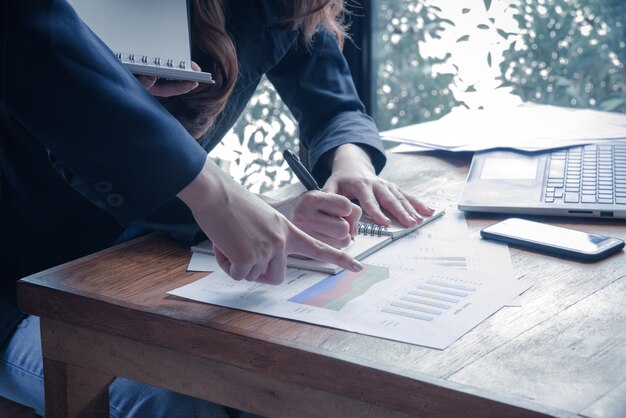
<point x="358" y="50"/>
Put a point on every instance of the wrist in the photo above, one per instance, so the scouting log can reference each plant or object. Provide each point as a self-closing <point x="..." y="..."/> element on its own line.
<point x="207" y="189"/>
<point x="351" y="154"/>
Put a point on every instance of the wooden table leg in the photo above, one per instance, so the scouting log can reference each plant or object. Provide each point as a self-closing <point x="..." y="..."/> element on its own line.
<point x="73" y="391"/>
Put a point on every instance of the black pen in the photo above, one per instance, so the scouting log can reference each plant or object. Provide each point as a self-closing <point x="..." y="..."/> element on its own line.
<point x="300" y="171"/>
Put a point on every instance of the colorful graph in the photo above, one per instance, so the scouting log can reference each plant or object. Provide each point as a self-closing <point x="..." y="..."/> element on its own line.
<point x="334" y="292"/>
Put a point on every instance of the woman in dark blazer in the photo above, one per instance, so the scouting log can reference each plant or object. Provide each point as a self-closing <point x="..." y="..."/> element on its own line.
<point x="86" y="151"/>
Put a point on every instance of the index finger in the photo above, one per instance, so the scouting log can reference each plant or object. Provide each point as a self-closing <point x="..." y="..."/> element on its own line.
<point x="303" y="244"/>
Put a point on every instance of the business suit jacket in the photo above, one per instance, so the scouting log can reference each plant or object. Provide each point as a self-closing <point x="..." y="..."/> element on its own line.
<point x="87" y="150"/>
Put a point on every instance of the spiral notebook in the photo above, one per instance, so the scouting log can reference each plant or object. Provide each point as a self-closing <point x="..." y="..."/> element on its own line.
<point x="151" y="37"/>
<point x="369" y="239"/>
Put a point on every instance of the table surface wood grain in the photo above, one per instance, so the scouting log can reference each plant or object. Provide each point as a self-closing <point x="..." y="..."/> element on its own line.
<point x="562" y="353"/>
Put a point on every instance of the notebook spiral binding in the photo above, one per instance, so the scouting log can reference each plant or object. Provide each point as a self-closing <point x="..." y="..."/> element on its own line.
<point x="371" y="229"/>
<point x="146" y="60"/>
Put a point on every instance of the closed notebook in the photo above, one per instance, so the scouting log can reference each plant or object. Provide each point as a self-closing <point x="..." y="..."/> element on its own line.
<point x="370" y="238"/>
<point x="151" y="37"/>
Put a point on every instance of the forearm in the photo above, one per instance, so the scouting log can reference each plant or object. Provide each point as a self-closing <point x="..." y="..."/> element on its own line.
<point x="204" y="190"/>
<point x="251" y="240"/>
<point x="99" y="125"/>
<point x="349" y="154"/>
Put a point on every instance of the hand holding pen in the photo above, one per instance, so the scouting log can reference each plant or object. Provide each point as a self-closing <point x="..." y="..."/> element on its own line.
<point x="329" y="217"/>
<point x="300" y="171"/>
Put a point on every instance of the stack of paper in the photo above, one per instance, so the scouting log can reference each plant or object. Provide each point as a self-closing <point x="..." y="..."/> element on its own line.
<point x="529" y="127"/>
<point x="428" y="288"/>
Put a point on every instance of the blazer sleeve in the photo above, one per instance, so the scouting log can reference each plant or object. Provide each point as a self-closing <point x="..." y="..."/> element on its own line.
<point x="107" y="136"/>
<point x="316" y="84"/>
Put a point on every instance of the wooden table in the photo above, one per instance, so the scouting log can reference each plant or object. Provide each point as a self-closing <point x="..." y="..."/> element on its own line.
<point x="562" y="353"/>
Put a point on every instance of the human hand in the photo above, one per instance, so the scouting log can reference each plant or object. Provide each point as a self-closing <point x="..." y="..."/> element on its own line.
<point x="330" y="218"/>
<point x="164" y="88"/>
<point x="251" y="240"/>
<point x="353" y="176"/>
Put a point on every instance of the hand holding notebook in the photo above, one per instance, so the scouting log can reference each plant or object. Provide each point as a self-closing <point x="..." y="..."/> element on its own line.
<point x="149" y="37"/>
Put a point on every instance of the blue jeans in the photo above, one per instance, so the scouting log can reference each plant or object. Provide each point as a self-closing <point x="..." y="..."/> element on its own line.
<point x="21" y="380"/>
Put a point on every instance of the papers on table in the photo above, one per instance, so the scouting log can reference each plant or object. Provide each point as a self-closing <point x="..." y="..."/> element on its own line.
<point x="428" y="288"/>
<point x="529" y="127"/>
<point x="432" y="306"/>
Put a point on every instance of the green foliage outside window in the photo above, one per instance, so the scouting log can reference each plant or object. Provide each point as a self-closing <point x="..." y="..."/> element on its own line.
<point x="560" y="52"/>
<point x="409" y="91"/>
<point x="569" y="53"/>
<point x="251" y="152"/>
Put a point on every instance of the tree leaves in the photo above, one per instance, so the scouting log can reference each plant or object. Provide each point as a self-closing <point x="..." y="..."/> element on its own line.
<point x="572" y="63"/>
<point x="613" y="103"/>
<point x="504" y="33"/>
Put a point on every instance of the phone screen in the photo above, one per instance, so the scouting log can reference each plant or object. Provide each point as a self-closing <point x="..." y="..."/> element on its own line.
<point x="550" y="235"/>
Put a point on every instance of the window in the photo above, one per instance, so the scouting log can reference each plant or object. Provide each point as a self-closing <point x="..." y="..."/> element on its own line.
<point x="251" y="151"/>
<point x="415" y="60"/>
<point x="431" y="56"/>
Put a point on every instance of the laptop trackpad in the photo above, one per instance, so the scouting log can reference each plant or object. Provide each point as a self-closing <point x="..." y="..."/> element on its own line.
<point x="509" y="169"/>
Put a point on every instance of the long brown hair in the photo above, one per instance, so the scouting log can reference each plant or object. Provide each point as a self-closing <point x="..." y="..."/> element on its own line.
<point x="198" y="109"/>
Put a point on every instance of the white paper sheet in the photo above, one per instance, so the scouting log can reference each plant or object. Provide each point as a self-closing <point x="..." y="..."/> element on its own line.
<point x="449" y="243"/>
<point x="428" y="288"/>
<point x="203" y="262"/>
<point x="432" y="307"/>
<point x="529" y="127"/>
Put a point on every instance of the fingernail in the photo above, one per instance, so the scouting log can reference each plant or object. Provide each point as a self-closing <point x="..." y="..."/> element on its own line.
<point x="357" y="265"/>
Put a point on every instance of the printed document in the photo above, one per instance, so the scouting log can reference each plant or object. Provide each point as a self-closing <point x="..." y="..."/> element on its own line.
<point x="432" y="306"/>
<point x="421" y="289"/>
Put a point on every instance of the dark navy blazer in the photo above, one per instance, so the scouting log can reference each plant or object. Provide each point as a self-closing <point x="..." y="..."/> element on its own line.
<point x="84" y="147"/>
<point x="87" y="151"/>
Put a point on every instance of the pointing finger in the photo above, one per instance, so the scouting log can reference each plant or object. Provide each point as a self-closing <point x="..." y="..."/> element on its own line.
<point x="307" y="246"/>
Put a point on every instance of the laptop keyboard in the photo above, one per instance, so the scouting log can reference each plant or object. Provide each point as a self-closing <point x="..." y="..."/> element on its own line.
<point x="588" y="174"/>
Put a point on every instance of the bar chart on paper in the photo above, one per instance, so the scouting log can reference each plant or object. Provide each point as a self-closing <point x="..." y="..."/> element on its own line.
<point x="429" y="300"/>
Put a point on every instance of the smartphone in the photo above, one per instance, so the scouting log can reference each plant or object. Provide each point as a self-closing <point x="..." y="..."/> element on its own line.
<point x="563" y="242"/>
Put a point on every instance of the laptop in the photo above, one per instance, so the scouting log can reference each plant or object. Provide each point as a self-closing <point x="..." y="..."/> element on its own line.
<point x="581" y="181"/>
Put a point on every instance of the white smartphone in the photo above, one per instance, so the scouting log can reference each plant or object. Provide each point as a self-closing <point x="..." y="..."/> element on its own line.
<point x="551" y="239"/>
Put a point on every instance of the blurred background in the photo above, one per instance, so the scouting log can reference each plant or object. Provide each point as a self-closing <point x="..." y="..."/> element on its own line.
<point x="413" y="61"/>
